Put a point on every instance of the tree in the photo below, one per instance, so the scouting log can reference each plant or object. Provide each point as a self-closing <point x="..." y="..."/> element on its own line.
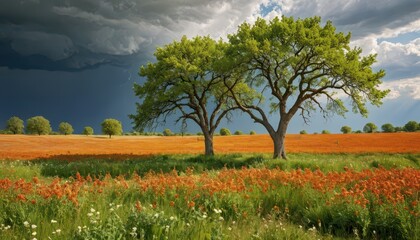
<point x="325" y="132"/>
<point x="370" y="128"/>
<point x="252" y="132"/>
<point x="38" y="125"/>
<point x="225" y="132"/>
<point x="238" y="132"/>
<point x="15" y="125"/>
<point x="186" y="80"/>
<point x="411" y="126"/>
<point x="303" y="132"/>
<point x="65" y="128"/>
<point x="388" y="128"/>
<point x="345" y="129"/>
<point x="111" y="127"/>
<point x="88" y="130"/>
<point x="301" y="66"/>
<point x="167" y="132"/>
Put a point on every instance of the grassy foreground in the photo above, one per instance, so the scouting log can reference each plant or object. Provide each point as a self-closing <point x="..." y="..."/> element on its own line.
<point x="310" y="196"/>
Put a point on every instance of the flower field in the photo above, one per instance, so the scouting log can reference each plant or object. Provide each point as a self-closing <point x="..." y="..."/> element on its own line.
<point x="363" y="186"/>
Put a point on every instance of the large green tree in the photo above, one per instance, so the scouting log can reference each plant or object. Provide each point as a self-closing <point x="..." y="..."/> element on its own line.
<point x="38" y="125"/>
<point x="15" y="125"/>
<point x="111" y="127"/>
<point x="300" y="66"/>
<point x="186" y="80"/>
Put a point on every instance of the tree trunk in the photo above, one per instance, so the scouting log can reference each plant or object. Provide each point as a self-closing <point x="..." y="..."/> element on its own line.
<point x="208" y="143"/>
<point x="279" y="140"/>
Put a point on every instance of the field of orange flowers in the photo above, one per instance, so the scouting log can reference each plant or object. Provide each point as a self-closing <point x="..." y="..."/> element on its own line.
<point x="32" y="147"/>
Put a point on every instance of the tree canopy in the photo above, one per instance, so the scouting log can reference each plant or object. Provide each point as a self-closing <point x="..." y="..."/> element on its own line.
<point x="65" y="128"/>
<point x="300" y="67"/>
<point x="370" y="127"/>
<point x="38" y="125"/>
<point x="186" y="81"/>
<point x="111" y="127"/>
<point x="15" y="125"/>
<point x="88" y="130"/>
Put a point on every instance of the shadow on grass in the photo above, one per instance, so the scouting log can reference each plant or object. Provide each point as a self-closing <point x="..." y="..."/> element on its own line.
<point x="65" y="166"/>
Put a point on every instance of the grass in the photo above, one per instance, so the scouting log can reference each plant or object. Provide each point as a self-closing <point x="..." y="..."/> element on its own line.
<point x="152" y="204"/>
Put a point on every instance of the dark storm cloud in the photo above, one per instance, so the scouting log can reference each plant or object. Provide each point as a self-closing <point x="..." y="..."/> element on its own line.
<point x="75" y="35"/>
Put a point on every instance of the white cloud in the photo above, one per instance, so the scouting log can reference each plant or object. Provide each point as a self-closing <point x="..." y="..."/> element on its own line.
<point x="409" y="87"/>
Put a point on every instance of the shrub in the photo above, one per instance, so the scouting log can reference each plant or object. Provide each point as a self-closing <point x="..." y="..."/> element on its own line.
<point x="411" y="126"/>
<point x="65" y="128"/>
<point x="167" y="132"/>
<point x="38" y="125"/>
<point x="252" y="132"/>
<point x="238" y="132"/>
<point x="225" y="132"/>
<point x="303" y="132"/>
<point x="325" y="132"/>
<point x="88" y="130"/>
<point x="111" y="127"/>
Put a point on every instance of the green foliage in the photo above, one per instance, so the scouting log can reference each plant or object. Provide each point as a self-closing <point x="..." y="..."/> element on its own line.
<point x="370" y="128"/>
<point x="238" y="132"/>
<point x="65" y="128"/>
<point x="388" y="128"/>
<point x="325" y="132"/>
<point x="303" y="132"/>
<point x="15" y="125"/>
<point x="111" y="127"/>
<point x="225" y="132"/>
<point x="345" y="129"/>
<point x="38" y="125"/>
<point x="88" y="130"/>
<point x="411" y="126"/>
<point x="252" y="132"/>
<point x="167" y="132"/>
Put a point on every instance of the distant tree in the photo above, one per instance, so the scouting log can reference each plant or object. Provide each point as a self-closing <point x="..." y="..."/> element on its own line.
<point x="411" y="126"/>
<point x="225" y="132"/>
<point x="303" y="132"/>
<point x="325" y="132"/>
<point x="238" y="132"/>
<point x="252" y="132"/>
<point x="399" y="129"/>
<point x="88" y="130"/>
<point x="358" y="131"/>
<point x="345" y="129"/>
<point x="388" y="128"/>
<point x="167" y="132"/>
<point x="370" y="128"/>
<point x="38" y="125"/>
<point x="65" y="128"/>
<point x="15" y="125"/>
<point x="111" y="127"/>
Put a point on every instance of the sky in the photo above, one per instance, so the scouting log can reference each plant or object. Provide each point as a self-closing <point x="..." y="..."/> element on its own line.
<point x="77" y="60"/>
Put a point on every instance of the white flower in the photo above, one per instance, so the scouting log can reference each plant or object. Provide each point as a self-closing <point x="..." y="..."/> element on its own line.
<point x="92" y="210"/>
<point x="53" y="221"/>
<point x="34" y="239"/>
<point x="221" y="218"/>
<point x="300" y="226"/>
<point x="33" y="226"/>
<point x="156" y="215"/>
<point x="97" y="213"/>
<point x="90" y="214"/>
<point x="119" y="205"/>
<point x="229" y="228"/>
<point x="204" y="216"/>
<point x="172" y="218"/>
<point x="26" y="224"/>
<point x="217" y="210"/>
<point x="58" y="231"/>
<point x="34" y="234"/>
<point x="112" y="209"/>
<point x="134" y="229"/>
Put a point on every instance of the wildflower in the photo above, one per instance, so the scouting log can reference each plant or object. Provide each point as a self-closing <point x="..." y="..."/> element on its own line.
<point x="53" y="221"/>
<point x="26" y="224"/>
<point x="33" y="226"/>
<point x="90" y="214"/>
<point x="92" y="210"/>
<point x="34" y="234"/>
<point x="172" y="218"/>
<point x="119" y="205"/>
<point x="217" y="210"/>
<point x="58" y="231"/>
<point x="300" y="226"/>
<point x="112" y="209"/>
<point x="204" y="216"/>
<point x="221" y="218"/>
<point x="229" y="228"/>
<point x="134" y="229"/>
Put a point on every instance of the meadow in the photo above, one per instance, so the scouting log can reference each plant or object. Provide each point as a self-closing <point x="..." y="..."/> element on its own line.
<point x="120" y="195"/>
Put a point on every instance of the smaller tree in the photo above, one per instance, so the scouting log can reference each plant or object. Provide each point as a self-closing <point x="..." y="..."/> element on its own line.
<point x="411" y="126"/>
<point x="65" y="128"/>
<point x="370" y="128"/>
<point x="238" y="132"/>
<point x="167" y="132"/>
<point x="225" y="132"/>
<point x="252" y="132"/>
<point x="38" y="125"/>
<point x="111" y="127"/>
<point x="325" y="132"/>
<point x="88" y="131"/>
<point x="345" y="129"/>
<point x="388" y="128"/>
<point x="15" y="125"/>
<point x="303" y="132"/>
